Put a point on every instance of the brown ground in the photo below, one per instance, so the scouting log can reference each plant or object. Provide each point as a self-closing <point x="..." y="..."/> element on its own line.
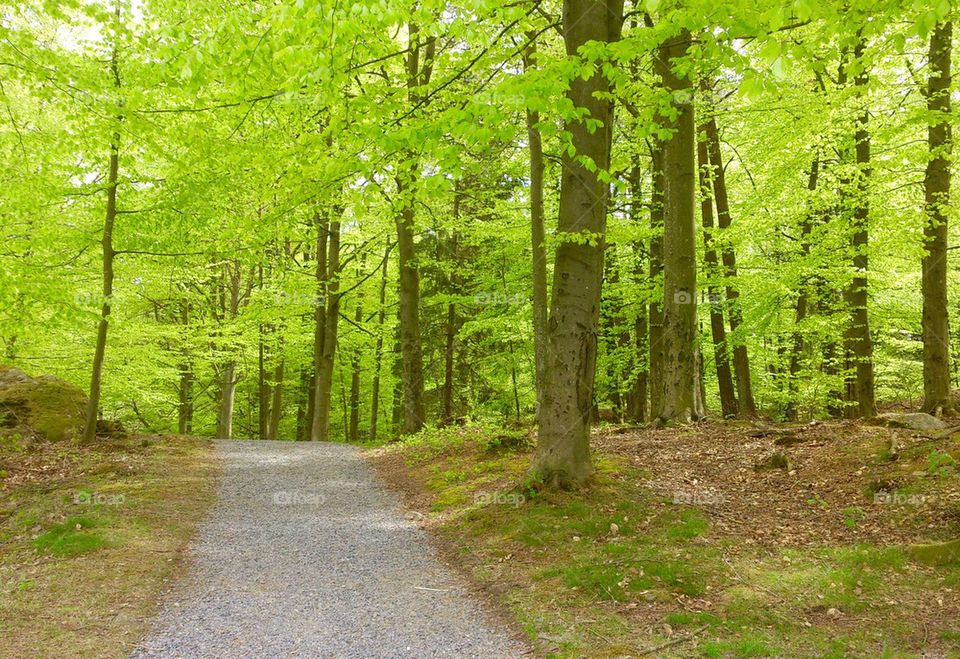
<point x="95" y="603"/>
<point x="833" y="466"/>
<point x="823" y="499"/>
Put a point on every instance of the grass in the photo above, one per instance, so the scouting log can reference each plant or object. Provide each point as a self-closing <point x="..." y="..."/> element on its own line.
<point x="88" y="537"/>
<point x="615" y="570"/>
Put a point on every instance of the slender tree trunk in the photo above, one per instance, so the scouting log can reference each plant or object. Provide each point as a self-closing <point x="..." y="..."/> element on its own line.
<point x="741" y="359"/>
<point x="276" y="407"/>
<point x="858" y="343"/>
<point x="185" y="388"/>
<point x="106" y="242"/>
<point x="411" y="352"/>
<point x="637" y="394"/>
<point x="320" y="429"/>
<point x="537" y="236"/>
<point x="354" y="432"/>
<point x="446" y="398"/>
<point x="228" y="389"/>
<point x="378" y="352"/>
<point x="563" y="447"/>
<point x="655" y="356"/>
<point x="936" y="185"/>
<point x="320" y="317"/>
<point x="728" y="396"/>
<point x="263" y="387"/>
<point x="802" y="308"/>
<point x="680" y="378"/>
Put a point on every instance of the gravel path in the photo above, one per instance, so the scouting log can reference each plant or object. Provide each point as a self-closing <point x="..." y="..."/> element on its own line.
<point x="305" y="554"/>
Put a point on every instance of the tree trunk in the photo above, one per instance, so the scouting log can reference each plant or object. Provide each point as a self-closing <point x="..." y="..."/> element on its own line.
<point x="655" y="341"/>
<point x="106" y="242"/>
<point x="185" y="388"/>
<point x="537" y="236"/>
<point x="637" y="394"/>
<point x="276" y="407"/>
<point x="378" y="352"/>
<point x="320" y="316"/>
<point x="803" y="298"/>
<point x="446" y="397"/>
<point x="728" y="396"/>
<point x="228" y="389"/>
<point x="936" y="186"/>
<point x="680" y="378"/>
<point x="354" y="432"/>
<point x="320" y="429"/>
<point x="858" y="344"/>
<point x="563" y="447"/>
<point x="741" y="359"/>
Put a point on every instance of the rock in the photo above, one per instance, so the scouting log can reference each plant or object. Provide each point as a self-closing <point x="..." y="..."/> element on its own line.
<point x="44" y="405"/>
<point x="776" y="460"/>
<point x="919" y="421"/>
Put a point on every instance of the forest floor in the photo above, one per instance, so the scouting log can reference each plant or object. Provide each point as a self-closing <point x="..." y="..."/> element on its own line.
<point x="89" y="536"/>
<point x="685" y="543"/>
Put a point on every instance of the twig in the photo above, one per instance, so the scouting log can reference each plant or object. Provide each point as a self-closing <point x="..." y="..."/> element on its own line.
<point x="676" y="641"/>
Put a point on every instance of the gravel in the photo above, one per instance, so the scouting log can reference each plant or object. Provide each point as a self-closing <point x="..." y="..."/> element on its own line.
<point x="306" y="554"/>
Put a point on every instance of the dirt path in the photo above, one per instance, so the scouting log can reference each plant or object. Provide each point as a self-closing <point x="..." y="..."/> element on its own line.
<point x="306" y="554"/>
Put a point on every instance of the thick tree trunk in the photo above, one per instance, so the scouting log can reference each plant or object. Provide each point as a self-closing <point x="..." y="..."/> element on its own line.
<point x="414" y="410"/>
<point x="537" y="237"/>
<point x="320" y="429"/>
<point x="858" y="343"/>
<point x="728" y="395"/>
<point x="741" y="359"/>
<point x="378" y="351"/>
<point x="680" y="378"/>
<point x="936" y="185"/>
<point x="563" y="447"/>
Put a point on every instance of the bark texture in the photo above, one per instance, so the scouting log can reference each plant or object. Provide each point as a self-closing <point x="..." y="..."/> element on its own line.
<point x="563" y="448"/>
<point x="936" y="186"/>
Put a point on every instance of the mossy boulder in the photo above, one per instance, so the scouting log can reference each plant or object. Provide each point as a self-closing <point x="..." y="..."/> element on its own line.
<point x="44" y="405"/>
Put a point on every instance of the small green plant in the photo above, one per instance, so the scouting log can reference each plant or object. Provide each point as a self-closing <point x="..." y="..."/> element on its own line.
<point x="940" y="463"/>
<point x="818" y="501"/>
<point x="852" y="515"/>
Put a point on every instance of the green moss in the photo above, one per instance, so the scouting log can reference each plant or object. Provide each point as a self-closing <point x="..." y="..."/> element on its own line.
<point x="72" y="537"/>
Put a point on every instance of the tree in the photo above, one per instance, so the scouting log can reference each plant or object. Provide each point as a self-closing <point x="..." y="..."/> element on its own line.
<point x="936" y="187"/>
<point x="563" y="444"/>
<point x="680" y="383"/>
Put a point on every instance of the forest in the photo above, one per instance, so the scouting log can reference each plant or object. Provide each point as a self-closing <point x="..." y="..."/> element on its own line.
<point x="540" y="226"/>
